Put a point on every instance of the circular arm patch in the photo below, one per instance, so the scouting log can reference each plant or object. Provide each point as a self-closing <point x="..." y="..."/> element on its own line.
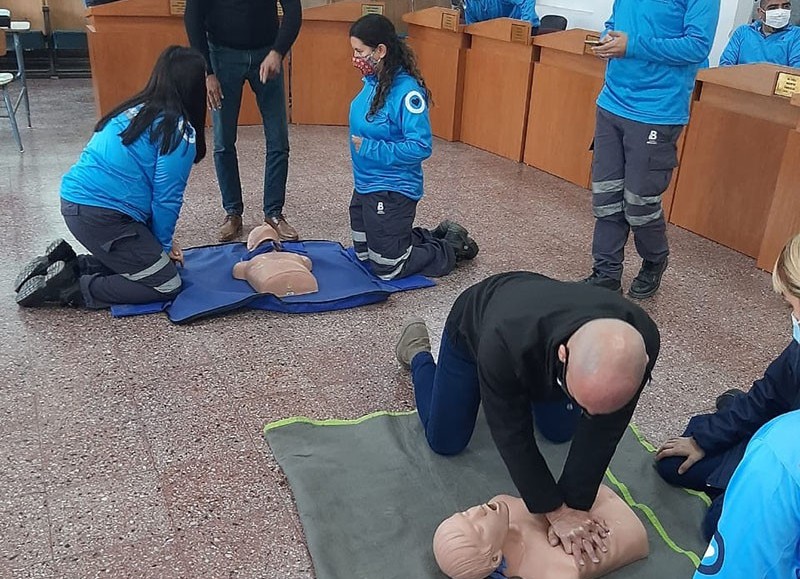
<point x="415" y="102"/>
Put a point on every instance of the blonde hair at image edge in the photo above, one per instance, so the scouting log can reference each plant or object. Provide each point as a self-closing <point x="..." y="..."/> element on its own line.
<point x="464" y="557"/>
<point x="786" y="273"/>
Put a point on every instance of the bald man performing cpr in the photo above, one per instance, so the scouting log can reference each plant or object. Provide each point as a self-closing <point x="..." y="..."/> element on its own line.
<point x="570" y="359"/>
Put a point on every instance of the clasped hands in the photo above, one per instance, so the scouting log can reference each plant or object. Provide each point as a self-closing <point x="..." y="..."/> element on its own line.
<point x="612" y="45"/>
<point x="580" y="533"/>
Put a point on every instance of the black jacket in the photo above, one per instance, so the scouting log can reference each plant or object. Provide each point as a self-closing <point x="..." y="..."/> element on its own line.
<point x="241" y="24"/>
<point x="512" y="325"/>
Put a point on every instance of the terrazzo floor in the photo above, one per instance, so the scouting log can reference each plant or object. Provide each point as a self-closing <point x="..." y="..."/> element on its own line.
<point x="132" y="447"/>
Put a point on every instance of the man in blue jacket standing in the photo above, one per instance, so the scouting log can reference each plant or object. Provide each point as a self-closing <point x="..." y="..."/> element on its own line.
<point x="654" y="49"/>
<point x="771" y="38"/>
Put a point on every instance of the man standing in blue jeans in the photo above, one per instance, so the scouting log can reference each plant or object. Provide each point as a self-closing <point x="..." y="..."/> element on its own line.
<point x="568" y="357"/>
<point x="242" y="40"/>
<point x="654" y="49"/>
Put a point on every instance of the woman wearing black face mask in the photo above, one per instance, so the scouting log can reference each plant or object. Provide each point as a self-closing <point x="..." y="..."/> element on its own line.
<point x="712" y="446"/>
<point x="390" y="138"/>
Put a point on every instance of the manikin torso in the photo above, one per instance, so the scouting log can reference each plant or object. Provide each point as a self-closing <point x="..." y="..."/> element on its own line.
<point x="279" y="273"/>
<point x="529" y="555"/>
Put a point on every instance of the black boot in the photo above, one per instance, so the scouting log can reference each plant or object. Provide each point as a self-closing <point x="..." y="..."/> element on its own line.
<point x="440" y="231"/>
<point x="603" y="281"/>
<point x="464" y="246"/>
<point x="648" y="280"/>
<point x="40" y="289"/>
<point x="59" y="250"/>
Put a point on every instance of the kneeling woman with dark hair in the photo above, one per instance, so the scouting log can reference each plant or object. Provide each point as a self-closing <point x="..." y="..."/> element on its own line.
<point x="121" y="200"/>
<point x="390" y="138"/>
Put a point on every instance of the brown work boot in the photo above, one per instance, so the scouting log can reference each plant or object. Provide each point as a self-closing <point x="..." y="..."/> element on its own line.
<point x="231" y="228"/>
<point x="413" y="340"/>
<point x="285" y="231"/>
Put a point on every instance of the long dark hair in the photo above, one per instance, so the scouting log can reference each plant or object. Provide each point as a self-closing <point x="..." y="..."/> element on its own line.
<point x="176" y="90"/>
<point x="375" y="29"/>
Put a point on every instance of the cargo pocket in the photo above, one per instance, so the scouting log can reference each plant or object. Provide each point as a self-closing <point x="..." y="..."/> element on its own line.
<point x="662" y="162"/>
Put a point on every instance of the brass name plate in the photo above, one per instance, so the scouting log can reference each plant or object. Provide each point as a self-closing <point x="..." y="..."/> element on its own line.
<point x="449" y="22"/>
<point x="590" y="42"/>
<point x="520" y="33"/>
<point x="787" y="84"/>
<point x="371" y="9"/>
<point x="177" y="7"/>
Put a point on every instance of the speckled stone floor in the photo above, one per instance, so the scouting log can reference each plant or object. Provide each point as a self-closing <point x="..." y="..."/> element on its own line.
<point x="133" y="448"/>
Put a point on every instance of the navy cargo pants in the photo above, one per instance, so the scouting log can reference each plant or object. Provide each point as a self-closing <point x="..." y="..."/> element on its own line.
<point x="126" y="264"/>
<point x="382" y="226"/>
<point x="632" y="167"/>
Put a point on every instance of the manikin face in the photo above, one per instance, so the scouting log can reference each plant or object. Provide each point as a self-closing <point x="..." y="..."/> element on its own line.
<point x="490" y="524"/>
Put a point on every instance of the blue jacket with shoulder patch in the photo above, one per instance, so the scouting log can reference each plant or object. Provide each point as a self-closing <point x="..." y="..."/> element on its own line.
<point x="395" y="140"/>
<point x="668" y="41"/>
<point x="136" y="179"/>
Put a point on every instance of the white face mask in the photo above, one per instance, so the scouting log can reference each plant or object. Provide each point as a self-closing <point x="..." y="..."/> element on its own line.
<point x="777" y="18"/>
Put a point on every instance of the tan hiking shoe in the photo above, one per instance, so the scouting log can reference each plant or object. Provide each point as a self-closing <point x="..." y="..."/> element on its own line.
<point x="231" y="228"/>
<point x="413" y="340"/>
<point x="285" y="231"/>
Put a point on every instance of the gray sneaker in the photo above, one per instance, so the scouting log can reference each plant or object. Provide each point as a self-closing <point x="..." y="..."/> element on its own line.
<point x="413" y="340"/>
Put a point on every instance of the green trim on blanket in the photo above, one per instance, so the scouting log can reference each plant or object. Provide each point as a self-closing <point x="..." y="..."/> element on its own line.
<point x="332" y="421"/>
<point x="651" y="516"/>
<point x="650" y="448"/>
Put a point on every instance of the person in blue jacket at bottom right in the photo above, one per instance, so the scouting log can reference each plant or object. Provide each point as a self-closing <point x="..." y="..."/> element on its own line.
<point x="705" y="456"/>
<point x="121" y="200"/>
<point x="390" y="138"/>
<point x="654" y="49"/>
<point x="770" y="39"/>
<point x="757" y="536"/>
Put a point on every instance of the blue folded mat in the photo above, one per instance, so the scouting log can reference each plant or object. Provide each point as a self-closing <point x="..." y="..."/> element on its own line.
<point x="209" y="287"/>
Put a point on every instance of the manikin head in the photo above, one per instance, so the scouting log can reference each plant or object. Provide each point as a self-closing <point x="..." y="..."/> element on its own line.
<point x="605" y="361"/>
<point x="775" y="14"/>
<point x="469" y="545"/>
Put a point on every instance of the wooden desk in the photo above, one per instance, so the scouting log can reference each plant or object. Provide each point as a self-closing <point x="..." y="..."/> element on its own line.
<point x="497" y="84"/>
<point x="324" y="81"/>
<point x="125" y="40"/>
<point x="734" y="149"/>
<point x="441" y="45"/>
<point x="783" y="220"/>
<point x="561" y="115"/>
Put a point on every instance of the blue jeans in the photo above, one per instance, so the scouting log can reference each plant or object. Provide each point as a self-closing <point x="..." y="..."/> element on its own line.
<point x="448" y="397"/>
<point x="232" y="67"/>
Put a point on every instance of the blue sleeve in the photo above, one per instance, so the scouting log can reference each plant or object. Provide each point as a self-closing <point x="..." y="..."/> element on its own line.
<point x="757" y="533"/>
<point x="169" y="183"/>
<point x="700" y="25"/>
<point x="609" y="24"/>
<point x="416" y="144"/>
<point x="527" y="9"/>
<point x="730" y="56"/>
<point x="769" y="397"/>
<point x="794" y="49"/>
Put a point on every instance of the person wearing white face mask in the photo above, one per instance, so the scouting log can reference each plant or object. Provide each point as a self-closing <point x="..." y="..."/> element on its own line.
<point x="705" y="456"/>
<point x="771" y="38"/>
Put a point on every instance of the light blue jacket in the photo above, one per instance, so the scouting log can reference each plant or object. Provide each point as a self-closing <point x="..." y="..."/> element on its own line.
<point x="748" y="45"/>
<point x="480" y="10"/>
<point x="136" y="180"/>
<point x="757" y="535"/>
<point x="668" y="41"/>
<point x="395" y="142"/>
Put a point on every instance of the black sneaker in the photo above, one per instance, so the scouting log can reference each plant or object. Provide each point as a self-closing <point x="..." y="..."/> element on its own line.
<point x="59" y="250"/>
<point x="464" y="246"/>
<point x="440" y="231"/>
<point x="726" y="398"/>
<point x="648" y="280"/>
<point x="603" y="281"/>
<point x="48" y="287"/>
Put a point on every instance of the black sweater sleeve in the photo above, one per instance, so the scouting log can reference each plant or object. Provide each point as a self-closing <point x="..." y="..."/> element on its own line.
<point x="507" y="406"/>
<point x="290" y="25"/>
<point x="194" y="19"/>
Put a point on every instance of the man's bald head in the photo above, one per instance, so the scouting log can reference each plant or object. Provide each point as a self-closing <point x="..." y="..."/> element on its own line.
<point x="606" y="365"/>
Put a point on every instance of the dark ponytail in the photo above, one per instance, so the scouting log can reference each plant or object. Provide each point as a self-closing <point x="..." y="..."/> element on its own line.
<point x="176" y="90"/>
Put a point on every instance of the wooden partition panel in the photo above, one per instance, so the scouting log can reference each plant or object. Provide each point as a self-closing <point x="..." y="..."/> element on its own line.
<point x="497" y="84"/>
<point x="783" y="221"/>
<point x="67" y="14"/>
<point x="728" y="176"/>
<point x="30" y="10"/>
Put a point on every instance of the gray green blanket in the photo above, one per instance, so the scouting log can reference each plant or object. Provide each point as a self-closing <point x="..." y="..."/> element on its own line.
<point x="370" y="494"/>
